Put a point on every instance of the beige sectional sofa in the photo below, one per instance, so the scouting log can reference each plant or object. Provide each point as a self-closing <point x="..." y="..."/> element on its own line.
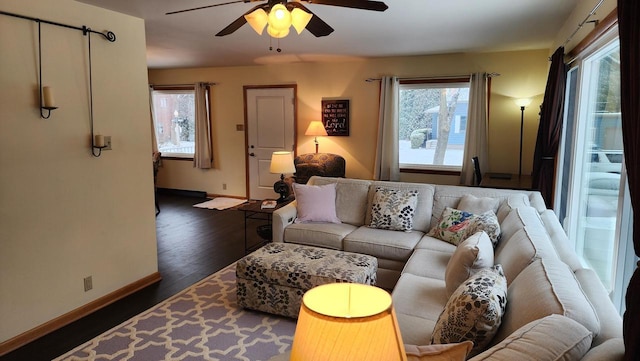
<point x="544" y="276"/>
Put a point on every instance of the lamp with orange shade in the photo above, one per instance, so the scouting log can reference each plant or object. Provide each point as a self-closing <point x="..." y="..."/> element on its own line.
<point x="347" y="321"/>
<point x="316" y="128"/>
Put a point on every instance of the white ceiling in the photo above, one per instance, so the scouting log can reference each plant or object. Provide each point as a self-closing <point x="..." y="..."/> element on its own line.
<point x="408" y="27"/>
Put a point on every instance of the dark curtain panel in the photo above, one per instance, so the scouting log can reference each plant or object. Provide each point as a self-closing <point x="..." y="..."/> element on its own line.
<point x="550" y="128"/>
<point x="629" y="29"/>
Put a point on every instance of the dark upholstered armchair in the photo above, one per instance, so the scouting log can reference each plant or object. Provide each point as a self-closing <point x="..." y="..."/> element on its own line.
<point x="322" y="164"/>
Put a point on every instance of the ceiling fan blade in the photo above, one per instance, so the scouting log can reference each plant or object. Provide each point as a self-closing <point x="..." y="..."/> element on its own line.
<point x="316" y="26"/>
<point x="237" y="24"/>
<point x="355" y="4"/>
<point x="206" y="7"/>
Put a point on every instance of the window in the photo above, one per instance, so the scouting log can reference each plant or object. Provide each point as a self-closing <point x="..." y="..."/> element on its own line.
<point x="432" y="125"/>
<point x="174" y="121"/>
<point x="591" y="200"/>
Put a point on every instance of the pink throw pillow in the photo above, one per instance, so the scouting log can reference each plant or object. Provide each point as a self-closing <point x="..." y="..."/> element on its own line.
<point x="316" y="203"/>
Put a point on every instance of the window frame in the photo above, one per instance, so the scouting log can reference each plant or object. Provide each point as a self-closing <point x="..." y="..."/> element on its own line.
<point x="176" y="90"/>
<point x="446" y="82"/>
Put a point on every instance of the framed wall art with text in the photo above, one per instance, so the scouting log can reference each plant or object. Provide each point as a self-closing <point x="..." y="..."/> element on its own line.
<point x="335" y="116"/>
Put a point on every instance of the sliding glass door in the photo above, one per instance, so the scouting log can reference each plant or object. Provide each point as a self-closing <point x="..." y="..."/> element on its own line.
<point x="591" y="180"/>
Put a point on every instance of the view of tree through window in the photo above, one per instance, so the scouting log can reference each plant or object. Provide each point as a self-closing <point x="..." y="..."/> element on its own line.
<point x="174" y="121"/>
<point x="432" y="125"/>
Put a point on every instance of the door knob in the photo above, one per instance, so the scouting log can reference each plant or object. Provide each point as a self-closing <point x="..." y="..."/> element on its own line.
<point x="252" y="154"/>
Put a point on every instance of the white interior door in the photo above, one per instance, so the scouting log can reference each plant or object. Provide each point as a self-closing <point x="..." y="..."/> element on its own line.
<point x="270" y="128"/>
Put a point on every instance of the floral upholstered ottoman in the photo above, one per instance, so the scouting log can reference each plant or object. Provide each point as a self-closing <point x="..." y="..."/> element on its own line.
<point x="274" y="278"/>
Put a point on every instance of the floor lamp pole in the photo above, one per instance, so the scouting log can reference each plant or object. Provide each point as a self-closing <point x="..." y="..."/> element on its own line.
<point x="521" y="131"/>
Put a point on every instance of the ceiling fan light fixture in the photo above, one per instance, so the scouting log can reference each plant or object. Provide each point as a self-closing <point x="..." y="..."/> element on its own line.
<point x="258" y="20"/>
<point x="300" y="19"/>
<point x="277" y="33"/>
<point x="279" y="17"/>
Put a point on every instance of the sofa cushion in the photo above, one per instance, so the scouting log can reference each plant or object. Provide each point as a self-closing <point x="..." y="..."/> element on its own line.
<point x="598" y="295"/>
<point x="546" y="287"/>
<point x="525" y="245"/>
<point x="351" y="197"/>
<point x="315" y="203"/>
<point x="448" y="352"/>
<point x="532" y="342"/>
<point x="560" y="240"/>
<point x="472" y="255"/>
<point x="428" y="263"/>
<point x="517" y="219"/>
<point x="422" y="217"/>
<point x="393" y="209"/>
<point x="512" y="201"/>
<point x="474" y="311"/>
<point x="328" y="235"/>
<point x="418" y="302"/>
<point x="432" y="243"/>
<point x="455" y="226"/>
<point x="472" y="204"/>
<point x="382" y="243"/>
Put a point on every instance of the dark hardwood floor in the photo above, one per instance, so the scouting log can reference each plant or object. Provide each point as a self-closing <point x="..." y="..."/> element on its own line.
<point x="192" y="244"/>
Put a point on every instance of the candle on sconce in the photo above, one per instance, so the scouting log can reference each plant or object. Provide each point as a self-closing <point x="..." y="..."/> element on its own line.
<point x="47" y="94"/>
<point x="99" y="140"/>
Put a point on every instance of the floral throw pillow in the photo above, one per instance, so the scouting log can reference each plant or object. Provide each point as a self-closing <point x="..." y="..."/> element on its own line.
<point x="393" y="209"/>
<point x="474" y="311"/>
<point x="454" y="226"/>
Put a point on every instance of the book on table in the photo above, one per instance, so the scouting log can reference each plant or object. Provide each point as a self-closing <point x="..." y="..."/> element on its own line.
<point x="268" y="204"/>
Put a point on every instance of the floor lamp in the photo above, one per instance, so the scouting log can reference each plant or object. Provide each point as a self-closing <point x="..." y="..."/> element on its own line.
<point x="522" y="103"/>
<point x="316" y="128"/>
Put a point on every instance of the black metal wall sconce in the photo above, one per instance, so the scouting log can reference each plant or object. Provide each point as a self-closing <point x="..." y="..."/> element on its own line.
<point x="45" y="93"/>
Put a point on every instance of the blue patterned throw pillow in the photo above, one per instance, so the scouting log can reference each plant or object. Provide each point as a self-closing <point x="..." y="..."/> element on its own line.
<point x="393" y="209"/>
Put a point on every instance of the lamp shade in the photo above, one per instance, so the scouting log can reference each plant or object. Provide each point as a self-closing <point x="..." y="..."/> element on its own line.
<point x="275" y="33"/>
<point x="347" y="321"/>
<point x="279" y="17"/>
<point x="523" y="102"/>
<point x="300" y="19"/>
<point x="281" y="163"/>
<point x="258" y="20"/>
<point x="316" y="128"/>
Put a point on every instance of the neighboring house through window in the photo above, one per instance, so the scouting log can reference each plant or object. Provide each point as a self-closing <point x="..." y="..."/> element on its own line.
<point x="432" y="124"/>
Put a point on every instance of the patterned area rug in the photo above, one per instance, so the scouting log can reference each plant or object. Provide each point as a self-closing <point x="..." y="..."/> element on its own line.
<point x="202" y="322"/>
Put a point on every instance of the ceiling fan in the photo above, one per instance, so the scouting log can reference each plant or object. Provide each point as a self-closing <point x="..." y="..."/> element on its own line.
<point x="310" y="21"/>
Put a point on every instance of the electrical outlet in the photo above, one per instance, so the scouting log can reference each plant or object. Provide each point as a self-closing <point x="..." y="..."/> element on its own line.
<point x="88" y="283"/>
<point x="107" y="142"/>
<point x="224" y="186"/>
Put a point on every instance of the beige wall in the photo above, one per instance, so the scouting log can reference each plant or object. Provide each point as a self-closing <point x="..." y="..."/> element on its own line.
<point x="523" y="74"/>
<point x="582" y="9"/>
<point x="64" y="214"/>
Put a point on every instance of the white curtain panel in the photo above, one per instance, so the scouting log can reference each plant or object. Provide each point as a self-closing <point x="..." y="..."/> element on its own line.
<point x="387" y="158"/>
<point x="203" y="157"/>
<point x="476" y="143"/>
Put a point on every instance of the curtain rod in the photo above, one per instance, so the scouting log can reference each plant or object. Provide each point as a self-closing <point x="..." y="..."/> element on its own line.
<point x="586" y="20"/>
<point x="369" y="80"/>
<point x="170" y="85"/>
<point x="109" y="35"/>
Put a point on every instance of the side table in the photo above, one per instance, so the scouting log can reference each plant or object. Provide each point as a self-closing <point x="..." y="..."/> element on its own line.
<point x="254" y="210"/>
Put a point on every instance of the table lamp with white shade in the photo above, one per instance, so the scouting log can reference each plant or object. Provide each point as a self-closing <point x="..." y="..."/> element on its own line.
<point x="282" y="162"/>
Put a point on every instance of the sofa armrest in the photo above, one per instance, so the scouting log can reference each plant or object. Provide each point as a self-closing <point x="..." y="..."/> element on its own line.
<point x="283" y="217"/>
